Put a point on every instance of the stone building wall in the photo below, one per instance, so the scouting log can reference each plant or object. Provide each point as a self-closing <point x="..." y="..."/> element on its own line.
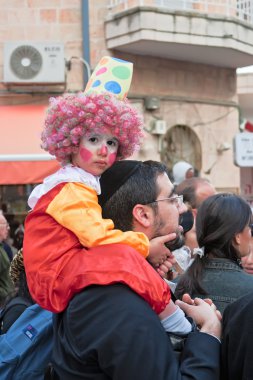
<point x="200" y="97"/>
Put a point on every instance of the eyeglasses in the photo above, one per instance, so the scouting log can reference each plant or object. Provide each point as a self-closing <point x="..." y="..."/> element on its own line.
<point x="176" y="199"/>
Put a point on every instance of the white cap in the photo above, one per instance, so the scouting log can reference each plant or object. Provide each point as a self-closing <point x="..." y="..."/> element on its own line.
<point x="179" y="171"/>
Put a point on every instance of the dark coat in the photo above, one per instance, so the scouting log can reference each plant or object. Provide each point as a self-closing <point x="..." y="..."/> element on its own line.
<point x="6" y="285"/>
<point x="109" y="332"/>
<point x="237" y="342"/>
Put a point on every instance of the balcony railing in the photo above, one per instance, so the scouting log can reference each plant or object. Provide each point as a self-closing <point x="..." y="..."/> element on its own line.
<point x="240" y="9"/>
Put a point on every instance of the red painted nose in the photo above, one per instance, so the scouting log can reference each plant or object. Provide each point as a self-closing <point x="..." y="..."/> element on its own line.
<point x="103" y="150"/>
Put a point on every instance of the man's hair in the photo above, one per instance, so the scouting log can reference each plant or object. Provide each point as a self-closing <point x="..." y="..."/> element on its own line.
<point x="140" y="188"/>
<point x="188" y="189"/>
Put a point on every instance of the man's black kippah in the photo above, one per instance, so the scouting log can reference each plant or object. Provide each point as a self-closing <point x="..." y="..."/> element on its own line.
<point x="114" y="177"/>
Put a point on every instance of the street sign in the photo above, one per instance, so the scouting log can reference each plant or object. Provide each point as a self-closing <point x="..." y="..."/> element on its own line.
<point x="243" y="149"/>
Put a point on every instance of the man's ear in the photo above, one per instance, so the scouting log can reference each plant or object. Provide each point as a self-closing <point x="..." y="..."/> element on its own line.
<point x="143" y="215"/>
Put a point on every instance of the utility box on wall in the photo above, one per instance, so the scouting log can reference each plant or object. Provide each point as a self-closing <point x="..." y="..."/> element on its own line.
<point x="160" y="127"/>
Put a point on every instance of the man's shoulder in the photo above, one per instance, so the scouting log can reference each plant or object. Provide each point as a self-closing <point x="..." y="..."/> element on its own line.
<point x="118" y="296"/>
<point x="100" y="312"/>
<point x="113" y="307"/>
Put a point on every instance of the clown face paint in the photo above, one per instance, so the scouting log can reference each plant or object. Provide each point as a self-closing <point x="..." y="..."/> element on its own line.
<point x="97" y="152"/>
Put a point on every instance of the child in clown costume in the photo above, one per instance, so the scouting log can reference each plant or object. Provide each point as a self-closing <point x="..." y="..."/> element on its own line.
<point x="67" y="244"/>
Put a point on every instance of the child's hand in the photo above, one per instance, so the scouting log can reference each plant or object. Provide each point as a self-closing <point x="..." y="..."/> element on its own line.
<point x="166" y="267"/>
<point x="158" y="253"/>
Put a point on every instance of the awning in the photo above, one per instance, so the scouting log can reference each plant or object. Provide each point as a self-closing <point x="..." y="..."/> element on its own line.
<point x="22" y="161"/>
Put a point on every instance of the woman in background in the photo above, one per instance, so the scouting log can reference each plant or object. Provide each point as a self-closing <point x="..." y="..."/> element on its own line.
<point x="223" y="227"/>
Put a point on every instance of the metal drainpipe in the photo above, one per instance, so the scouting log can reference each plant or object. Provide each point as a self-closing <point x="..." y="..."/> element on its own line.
<point x="86" y="38"/>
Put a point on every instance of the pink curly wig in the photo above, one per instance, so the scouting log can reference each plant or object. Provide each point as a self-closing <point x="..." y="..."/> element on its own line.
<point x="71" y="116"/>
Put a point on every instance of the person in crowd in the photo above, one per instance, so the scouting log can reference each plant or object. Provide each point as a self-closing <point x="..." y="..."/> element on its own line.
<point x="11" y="249"/>
<point x="87" y="133"/>
<point x="181" y="171"/>
<point x="18" y="237"/>
<point x="6" y="235"/>
<point x="6" y="286"/>
<point x="224" y="237"/>
<point x="194" y="190"/>
<point x="180" y="251"/>
<point x="8" y="250"/>
<point x="237" y="340"/>
<point x="109" y="332"/>
<point x="21" y="299"/>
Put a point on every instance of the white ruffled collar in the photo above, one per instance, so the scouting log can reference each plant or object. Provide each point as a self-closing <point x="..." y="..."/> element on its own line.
<point x="68" y="173"/>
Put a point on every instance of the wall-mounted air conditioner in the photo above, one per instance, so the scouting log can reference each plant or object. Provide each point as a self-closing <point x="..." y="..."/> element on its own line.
<point x="34" y="62"/>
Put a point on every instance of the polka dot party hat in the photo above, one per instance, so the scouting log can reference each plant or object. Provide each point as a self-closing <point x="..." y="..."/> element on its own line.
<point x="112" y="75"/>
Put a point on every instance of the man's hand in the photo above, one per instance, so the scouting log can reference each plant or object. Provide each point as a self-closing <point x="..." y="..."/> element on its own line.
<point x="205" y="315"/>
<point x="187" y="299"/>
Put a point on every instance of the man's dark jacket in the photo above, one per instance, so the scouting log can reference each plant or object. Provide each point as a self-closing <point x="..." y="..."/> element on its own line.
<point x="109" y="332"/>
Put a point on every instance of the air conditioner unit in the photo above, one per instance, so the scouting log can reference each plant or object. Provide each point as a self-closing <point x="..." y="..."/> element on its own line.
<point x="31" y="62"/>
